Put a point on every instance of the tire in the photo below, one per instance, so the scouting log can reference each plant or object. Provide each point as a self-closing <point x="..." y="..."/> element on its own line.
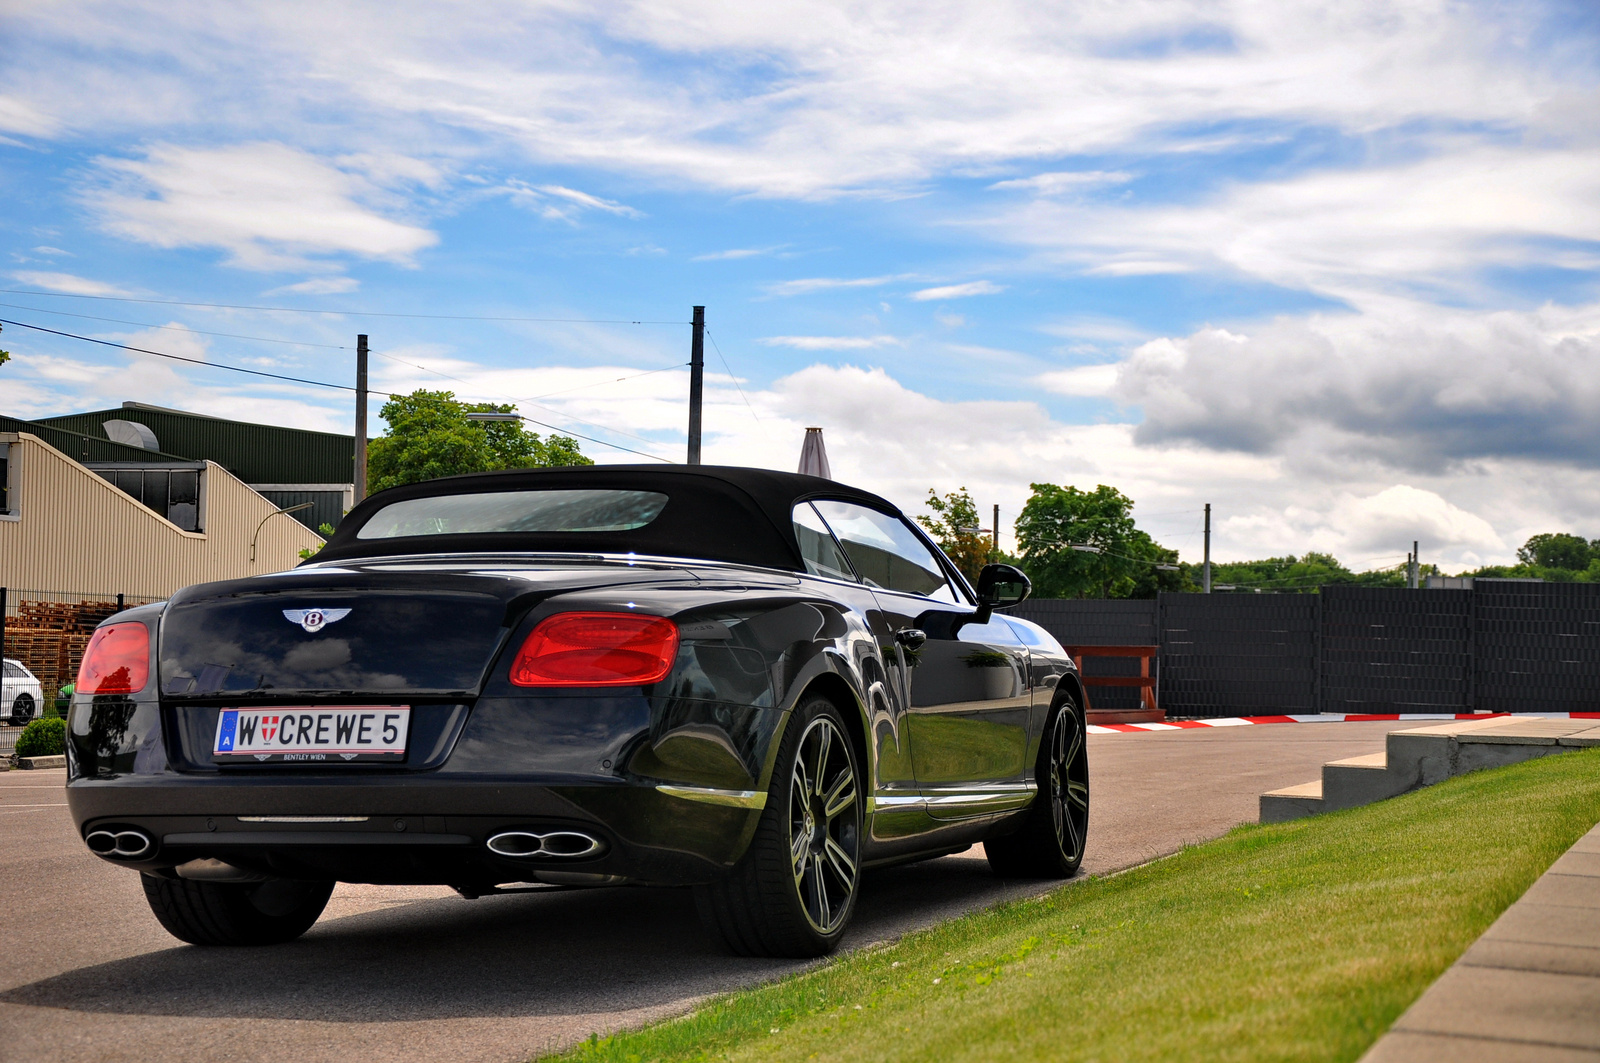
<point x="812" y="821"/>
<point x="22" y="710"/>
<point x="1050" y="843"/>
<point x="231" y="913"/>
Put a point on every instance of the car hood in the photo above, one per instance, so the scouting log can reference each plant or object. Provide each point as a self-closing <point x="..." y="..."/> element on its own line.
<point x="418" y="627"/>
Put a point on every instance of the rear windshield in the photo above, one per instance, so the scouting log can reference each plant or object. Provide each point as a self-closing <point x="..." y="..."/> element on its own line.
<point x="587" y="510"/>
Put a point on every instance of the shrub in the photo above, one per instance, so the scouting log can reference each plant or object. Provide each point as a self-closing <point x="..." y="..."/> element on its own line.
<point x="45" y="737"/>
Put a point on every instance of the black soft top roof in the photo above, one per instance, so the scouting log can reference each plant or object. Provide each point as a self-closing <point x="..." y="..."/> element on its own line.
<point x="713" y="512"/>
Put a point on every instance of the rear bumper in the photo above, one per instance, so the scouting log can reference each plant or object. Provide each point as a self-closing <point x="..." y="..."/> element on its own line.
<point x="392" y="829"/>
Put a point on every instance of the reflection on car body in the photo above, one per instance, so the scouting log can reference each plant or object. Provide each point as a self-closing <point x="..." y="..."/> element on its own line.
<point x="755" y="683"/>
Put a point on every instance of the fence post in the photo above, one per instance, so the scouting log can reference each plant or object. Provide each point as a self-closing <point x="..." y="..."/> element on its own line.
<point x="1472" y="651"/>
<point x="1316" y="654"/>
<point x="2" y="621"/>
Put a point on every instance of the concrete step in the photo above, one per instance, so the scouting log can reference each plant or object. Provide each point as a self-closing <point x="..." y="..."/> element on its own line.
<point x="1292" y="802"/>
<point x="1422" y="756"/>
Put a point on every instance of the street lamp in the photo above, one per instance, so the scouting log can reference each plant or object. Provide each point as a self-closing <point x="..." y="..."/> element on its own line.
<point x="269" y="516"/>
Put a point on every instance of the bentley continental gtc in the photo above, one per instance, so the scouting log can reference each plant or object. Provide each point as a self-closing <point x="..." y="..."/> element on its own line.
<point x="756" y="684"/>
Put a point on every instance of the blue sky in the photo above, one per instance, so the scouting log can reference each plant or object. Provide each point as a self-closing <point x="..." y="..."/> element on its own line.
<point x="1331" y="270"/>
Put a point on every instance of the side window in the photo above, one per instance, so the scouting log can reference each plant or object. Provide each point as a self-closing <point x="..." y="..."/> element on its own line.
<point x="885" y="552"/>
<point x="821" y="553"/>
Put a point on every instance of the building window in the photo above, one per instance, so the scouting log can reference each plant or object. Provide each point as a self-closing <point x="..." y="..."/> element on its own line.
<point x="171" y="490"/>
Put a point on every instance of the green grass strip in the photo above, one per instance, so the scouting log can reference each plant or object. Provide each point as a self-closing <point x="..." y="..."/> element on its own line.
<point x="1294" y="941"/>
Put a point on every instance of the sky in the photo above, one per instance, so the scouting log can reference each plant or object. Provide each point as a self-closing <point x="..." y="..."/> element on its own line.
<point x="1331" y="268"/>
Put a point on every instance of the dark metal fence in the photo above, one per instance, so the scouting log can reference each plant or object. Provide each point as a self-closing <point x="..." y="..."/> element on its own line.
<point x="1499" y="646"/>
<point x="1228" y="654"/>
<point x="1099" y="622"/>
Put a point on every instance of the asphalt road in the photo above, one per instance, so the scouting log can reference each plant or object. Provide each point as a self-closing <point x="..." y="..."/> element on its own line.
<point x="403" y="973"/>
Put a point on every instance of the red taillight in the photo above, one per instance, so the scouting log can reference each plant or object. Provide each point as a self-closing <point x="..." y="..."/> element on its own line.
<point x="596" y="650"/>
<point x="117" y="660"/>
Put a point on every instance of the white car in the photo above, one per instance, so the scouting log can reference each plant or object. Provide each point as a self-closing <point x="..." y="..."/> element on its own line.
<point x="21" y="697"/>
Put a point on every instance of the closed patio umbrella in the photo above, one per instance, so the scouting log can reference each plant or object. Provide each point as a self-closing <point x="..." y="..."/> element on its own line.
<point x="813" y="456"/>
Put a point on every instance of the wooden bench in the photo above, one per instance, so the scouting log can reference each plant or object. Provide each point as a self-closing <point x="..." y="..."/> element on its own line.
<point x="1148" y="712"/>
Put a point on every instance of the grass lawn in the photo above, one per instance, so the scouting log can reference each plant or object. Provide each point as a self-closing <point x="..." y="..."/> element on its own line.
<point x="1293" y="941"/>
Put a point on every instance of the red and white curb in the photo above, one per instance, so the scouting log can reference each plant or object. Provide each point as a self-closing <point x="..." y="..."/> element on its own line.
<point x="1330" y="717"/>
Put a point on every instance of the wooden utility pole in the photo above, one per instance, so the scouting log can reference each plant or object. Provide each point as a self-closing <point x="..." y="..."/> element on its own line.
<point x="997" y="525"/>
<point x="697" y="373"/>
<point x="1206" y="572"/>
<point x="361" y="417"/>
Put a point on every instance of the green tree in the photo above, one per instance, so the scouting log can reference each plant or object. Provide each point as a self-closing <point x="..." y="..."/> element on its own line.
<point x="951" y="523"/>
<point x="430" y="436"/>
<point x="1557" y="550"/>
<point x="1055" y="519"/>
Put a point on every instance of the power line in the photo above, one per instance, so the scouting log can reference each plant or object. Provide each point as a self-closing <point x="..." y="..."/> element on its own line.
<point x="337" y="313"/>
<point x="175" y="328"/>
<point x="735" y="380"/>
<point x="302" y="380"/>
<point x="181" y="358"/>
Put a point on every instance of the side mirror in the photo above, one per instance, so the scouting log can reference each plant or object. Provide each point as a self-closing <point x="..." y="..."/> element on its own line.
<point x="1000" y="585"/>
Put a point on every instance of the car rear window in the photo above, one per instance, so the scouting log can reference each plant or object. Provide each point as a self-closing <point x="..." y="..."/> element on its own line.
<point x="488" y="512"/>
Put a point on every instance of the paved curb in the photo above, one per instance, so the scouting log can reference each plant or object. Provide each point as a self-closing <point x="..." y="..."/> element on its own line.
<point x="1528" y="990"/>
<point x="58" y="761"/>
<point x="1334" y="717"/>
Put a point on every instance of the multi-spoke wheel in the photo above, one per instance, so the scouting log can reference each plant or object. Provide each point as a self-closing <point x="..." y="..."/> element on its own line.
<point x="795" y="889"/>
<point x="1050" y="842"/>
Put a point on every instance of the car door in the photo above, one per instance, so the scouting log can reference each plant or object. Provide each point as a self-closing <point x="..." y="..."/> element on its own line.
<point x="897" y="805"/>
<point x="963" y="684"/>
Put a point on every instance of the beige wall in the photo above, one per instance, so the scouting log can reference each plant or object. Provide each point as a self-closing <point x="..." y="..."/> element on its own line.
<point x="73" y="532"/>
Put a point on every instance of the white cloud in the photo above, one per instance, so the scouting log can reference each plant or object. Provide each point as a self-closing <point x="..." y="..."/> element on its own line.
<point x="53" y="251"/>
<point x="1083" y="380"/>
<point x="872" y="96"/>
<point x="68" y="283"/>
<point x="320" y="286"/>
<point x="559" y="203"/>
<point x="268" y="205"/>
<point x="958" y="291"/>
<point x="830" y="343"/>
<point x="807" y="285"/>
<point x="1049" y="184"/>
<point x="19" y="116"/>
<point x="736" y="253"/>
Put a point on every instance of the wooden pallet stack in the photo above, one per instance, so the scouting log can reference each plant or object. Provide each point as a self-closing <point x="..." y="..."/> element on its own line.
<point x="49" y="638"/>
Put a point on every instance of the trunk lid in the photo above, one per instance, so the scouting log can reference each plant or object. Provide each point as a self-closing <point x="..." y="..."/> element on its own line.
<point x="418" y="629"/>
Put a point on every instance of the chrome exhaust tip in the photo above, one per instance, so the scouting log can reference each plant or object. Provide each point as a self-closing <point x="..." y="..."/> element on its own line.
<point x="566" y="844"/>
<point x="121" y="844"/>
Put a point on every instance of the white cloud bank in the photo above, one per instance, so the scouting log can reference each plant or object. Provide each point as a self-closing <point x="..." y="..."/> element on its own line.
<point x="269" y="206"/>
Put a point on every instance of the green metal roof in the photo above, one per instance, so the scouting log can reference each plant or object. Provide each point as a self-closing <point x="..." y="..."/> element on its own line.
<point x="84" y="447"/>
<point x="256" y="453"/>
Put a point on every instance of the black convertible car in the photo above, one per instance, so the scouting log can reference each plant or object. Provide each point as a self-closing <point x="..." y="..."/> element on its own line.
<point x="754" y="683"/>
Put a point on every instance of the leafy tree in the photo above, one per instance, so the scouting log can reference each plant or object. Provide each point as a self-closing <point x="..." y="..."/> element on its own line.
<point x="1057" y="518"/>
<point x="1557" y="550"/>
<point x="951" y="514"/>
<point x="5" y="356"/>
<point x="430" y="436"/>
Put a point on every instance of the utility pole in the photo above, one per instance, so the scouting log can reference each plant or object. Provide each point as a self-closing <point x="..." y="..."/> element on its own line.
<point x="697" y="372"/>
<point x="997" y="526"/>
<point x="361" y="417"/>
<point x="1412" y="566"/>
<point x="1205" y="578"/>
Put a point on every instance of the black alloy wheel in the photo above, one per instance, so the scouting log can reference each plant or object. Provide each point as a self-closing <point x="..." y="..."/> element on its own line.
<point x="22" y="709"/>
<point x="1051" y="840"/>
<point x="795" y="889"/>
<point x="235" y="913"/>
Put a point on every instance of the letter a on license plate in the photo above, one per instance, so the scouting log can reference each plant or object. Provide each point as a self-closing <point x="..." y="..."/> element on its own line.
<point x="336" y="734"/>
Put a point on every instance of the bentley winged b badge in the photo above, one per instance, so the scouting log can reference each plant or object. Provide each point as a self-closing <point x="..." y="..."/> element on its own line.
<point x="314" y="620"/>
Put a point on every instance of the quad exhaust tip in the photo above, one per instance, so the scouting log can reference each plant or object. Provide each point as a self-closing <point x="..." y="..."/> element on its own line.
<point x="121" y="844"/>
<point x="567" y="844"/>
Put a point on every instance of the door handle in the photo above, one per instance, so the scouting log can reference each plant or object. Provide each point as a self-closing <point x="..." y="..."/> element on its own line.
<point x="911" y="638"/>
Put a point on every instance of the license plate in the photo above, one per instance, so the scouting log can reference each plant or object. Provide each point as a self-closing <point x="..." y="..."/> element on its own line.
<point x="335" y="733"/>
